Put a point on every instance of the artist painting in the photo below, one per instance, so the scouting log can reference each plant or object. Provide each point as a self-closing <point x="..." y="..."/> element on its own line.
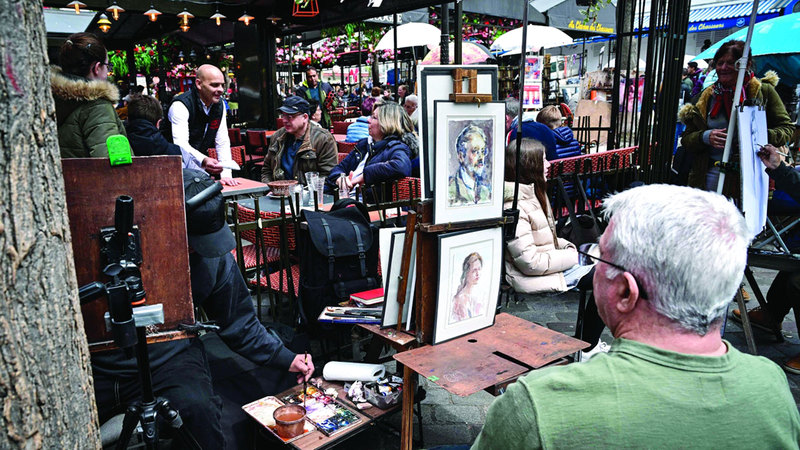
<point x="470" y="178"/>
<point x="469" y="301"/>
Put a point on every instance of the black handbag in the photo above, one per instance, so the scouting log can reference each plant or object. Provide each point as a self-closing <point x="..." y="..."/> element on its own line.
<point x="581" y="228"/>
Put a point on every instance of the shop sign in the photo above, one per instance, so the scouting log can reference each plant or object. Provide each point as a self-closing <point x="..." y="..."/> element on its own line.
<point x="596" y="27"/>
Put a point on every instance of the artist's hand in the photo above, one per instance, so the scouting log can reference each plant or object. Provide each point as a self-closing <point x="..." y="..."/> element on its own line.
<point x="212" y="166"/>
<point x="717" y="138"/>
<point x="304" y="367"/>
<point x="229" y="181"/>
<point x="770" y="157"/>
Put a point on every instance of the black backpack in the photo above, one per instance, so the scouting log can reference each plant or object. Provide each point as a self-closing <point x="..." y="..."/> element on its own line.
<point x="338" y="253"/>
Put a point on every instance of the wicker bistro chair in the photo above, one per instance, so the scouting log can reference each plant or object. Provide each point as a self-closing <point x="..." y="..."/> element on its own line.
<point x="238" y="155"/>
<point x="235" y="136"/>
<point x="345" y="147"/>
<point x="340" y="127"/>
<point x="267" y="261"/>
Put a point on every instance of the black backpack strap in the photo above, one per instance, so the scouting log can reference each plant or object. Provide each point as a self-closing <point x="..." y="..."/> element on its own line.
<point x="345" y="202"/>
<point x="362" y="255"/>
<point x="331" y="258"/>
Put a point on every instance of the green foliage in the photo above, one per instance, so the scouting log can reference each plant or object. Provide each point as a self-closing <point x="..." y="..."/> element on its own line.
<point x="118" y="58"/>
<point x="590" y="13"/>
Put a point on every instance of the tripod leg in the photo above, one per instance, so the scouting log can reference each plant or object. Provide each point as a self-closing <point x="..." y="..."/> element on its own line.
<point x="173" y="419"/>
<point x="128" y="424"/>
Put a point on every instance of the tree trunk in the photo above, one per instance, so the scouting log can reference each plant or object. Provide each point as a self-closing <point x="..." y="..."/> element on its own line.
<point x="46" y="390"/>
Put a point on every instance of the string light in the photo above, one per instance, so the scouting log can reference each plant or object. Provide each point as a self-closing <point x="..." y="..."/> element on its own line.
<point x="77" y="5"/>
<point x="152" y="13"/>
<point x="115" y="10"/>
<point x="185" y="16"/>
<point x="246" y="19"/>
<point x="103" y="23"/>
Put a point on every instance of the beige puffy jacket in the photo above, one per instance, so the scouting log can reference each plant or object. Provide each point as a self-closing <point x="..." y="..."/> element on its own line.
<point x="533" y="263"/>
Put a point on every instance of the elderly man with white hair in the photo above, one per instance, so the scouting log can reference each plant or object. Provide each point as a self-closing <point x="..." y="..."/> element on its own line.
<point x="669" y="263"/>
<point x="411" y="105"/>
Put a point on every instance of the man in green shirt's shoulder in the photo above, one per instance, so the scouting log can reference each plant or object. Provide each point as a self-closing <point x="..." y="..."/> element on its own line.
<point x="662" y="283"/>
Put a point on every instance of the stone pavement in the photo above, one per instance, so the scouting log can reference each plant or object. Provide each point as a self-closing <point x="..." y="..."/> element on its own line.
<point x="450" y="419"/>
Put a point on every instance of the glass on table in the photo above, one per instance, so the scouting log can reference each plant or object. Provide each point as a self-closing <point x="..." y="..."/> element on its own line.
<point x="311" y="177"/>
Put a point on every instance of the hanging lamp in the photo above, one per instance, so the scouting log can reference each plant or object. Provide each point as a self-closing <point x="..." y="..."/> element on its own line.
<point x="103" y="23"/>
<point x="115" y="10"/>
<point x="218" y="17"/>
<point x="246" y="18"/>
<point x="152" y="13"/>
<point x="185" y="16"/>
<point x="77" y="5"/>
<point x="305" y="8"/>
<point x="184" y="27"/>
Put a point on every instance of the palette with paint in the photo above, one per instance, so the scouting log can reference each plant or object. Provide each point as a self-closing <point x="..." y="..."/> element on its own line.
<point x="262" y="410"/>
<point x="324" y="411"/>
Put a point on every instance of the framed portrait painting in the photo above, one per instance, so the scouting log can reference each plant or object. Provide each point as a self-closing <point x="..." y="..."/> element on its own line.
<point x="470" y="157"/>
<point x="436" y="83"/>
<point x="469" y="282"/>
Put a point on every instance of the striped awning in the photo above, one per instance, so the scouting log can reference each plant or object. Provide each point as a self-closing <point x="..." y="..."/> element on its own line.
<point x="730" y="10"/>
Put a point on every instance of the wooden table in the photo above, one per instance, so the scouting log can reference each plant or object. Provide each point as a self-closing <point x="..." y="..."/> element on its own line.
<point x="317" y="439"/>
<point x="488" y="359"/>
<point x="245" y="186"/>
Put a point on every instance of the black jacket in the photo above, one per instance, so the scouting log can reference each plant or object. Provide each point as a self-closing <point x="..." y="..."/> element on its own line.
<point x="787" y="179"/>
<point x="146" y="139"/>
<point x="200" y="137"/>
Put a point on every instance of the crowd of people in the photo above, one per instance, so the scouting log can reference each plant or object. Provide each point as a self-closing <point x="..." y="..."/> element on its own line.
<point x="648" y="280"/>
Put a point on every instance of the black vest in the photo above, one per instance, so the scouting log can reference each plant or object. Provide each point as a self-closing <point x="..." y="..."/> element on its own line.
<point x="201" y="138"/>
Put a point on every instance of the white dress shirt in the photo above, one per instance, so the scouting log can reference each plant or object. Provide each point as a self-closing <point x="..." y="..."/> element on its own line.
<point x="178" y="116"/>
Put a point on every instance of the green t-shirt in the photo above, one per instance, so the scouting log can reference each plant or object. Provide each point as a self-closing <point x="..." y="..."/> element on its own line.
<point x="638" y="396"/>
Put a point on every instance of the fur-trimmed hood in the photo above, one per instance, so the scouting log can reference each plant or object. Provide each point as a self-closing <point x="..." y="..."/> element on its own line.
<point x="72" y="88"/>
<point x="771" y="78"/>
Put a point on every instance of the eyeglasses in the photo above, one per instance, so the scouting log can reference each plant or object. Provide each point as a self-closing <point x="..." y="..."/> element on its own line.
<point x="586" y="259"/>
<point x="287" y="116"/>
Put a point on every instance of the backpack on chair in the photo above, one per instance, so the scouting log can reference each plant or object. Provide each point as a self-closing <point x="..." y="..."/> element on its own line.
<point x="338" y="256"/>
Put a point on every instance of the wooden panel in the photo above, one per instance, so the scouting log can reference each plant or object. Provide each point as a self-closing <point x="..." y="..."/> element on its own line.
<point x="491" y="356"/>
<point x="156" y="185"/>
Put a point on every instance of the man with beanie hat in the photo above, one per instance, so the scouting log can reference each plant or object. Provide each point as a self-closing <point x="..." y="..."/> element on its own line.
<point x="180" y="368"/>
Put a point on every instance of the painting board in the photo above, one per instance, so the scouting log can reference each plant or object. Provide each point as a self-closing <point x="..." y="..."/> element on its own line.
<point x="752" y="129"/>
<point x="391" y="281"/>
<point x="469" y="282"/>
<point x="436" y="83"/>
<point x="470" y="161"/>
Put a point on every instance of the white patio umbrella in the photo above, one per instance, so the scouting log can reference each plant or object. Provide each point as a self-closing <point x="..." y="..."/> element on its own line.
<point x="411" y="35"/>
<point x="538" y="36"/>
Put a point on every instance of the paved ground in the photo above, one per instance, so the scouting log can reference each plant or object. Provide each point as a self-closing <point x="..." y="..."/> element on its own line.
<point x="449" y="419"/>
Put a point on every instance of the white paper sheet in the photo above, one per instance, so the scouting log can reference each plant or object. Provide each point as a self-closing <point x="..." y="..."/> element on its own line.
<point x="752" y="126"/>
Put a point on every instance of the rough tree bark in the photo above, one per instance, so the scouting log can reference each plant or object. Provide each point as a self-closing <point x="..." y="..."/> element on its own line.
<point x="46" y="390"/>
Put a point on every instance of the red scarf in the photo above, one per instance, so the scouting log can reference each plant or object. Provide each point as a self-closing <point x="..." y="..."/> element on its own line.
<point x="724" y="96"/>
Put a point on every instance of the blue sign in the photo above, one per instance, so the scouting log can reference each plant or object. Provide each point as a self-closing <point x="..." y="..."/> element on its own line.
<point x="722" y="24"/>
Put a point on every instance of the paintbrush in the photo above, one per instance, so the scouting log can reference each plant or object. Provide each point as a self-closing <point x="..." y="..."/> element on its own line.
<point x="776" y="151"/>
<point x="305" y="379"/>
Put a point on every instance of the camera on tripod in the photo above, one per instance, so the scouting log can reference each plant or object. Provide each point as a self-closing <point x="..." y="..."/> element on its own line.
<point x="121" y="249"/>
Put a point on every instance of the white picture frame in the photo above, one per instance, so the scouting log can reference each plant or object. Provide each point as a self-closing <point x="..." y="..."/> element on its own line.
<point x="436" y="83"/>
<point x="392" y="281"/>
<point x="465" y="304"/>
<point x="469" y="181"/>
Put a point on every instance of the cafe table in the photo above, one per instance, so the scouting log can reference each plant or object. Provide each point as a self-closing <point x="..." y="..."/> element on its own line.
<point x="246" y="186"/>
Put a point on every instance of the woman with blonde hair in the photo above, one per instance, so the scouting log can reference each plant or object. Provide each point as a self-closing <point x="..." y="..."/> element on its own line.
<point x="466" y="302"/>
<point x="382" y="157"/>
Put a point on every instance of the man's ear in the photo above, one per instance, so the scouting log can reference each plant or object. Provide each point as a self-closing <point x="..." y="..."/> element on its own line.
<point x="627" y="292"/>
<point x="158" y="123"/>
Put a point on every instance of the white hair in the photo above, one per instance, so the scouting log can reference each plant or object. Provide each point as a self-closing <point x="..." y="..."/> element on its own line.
<point x="413" y="99"/>
<point x="688" y="247"/>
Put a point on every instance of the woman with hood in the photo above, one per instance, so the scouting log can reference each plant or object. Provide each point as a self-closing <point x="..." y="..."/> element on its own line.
<point x="566" y="144"/>
<point x="707" y="121"/>
<point x="84" y="98"/>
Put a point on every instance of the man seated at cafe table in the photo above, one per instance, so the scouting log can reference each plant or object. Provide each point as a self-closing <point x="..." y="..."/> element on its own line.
<point x="670" y="261"/>
<point x="199" y="122"/>
<point x="299" y="147"/>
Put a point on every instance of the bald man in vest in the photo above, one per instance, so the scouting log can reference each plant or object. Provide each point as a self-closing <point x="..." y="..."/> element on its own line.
<point x="199" y="122"/>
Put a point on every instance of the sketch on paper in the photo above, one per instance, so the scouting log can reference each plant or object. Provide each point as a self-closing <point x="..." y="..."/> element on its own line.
<point x="470" y="162"/>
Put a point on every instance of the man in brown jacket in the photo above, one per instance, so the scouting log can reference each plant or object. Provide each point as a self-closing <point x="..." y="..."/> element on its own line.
<point x="299" y="147"/>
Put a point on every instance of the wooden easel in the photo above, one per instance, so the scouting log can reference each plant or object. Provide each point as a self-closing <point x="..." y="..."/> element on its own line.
<point x="472" y="95"/>
<point x="156" y="185"/>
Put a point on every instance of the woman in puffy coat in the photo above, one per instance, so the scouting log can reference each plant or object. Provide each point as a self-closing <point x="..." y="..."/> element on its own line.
<point x="84" y="98"/>
<point x="535" y="258"/>
<point x="382" y="157"/>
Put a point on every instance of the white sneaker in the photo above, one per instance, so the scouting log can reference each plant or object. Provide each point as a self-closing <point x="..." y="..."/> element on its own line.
<point x="601" y="347"/>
